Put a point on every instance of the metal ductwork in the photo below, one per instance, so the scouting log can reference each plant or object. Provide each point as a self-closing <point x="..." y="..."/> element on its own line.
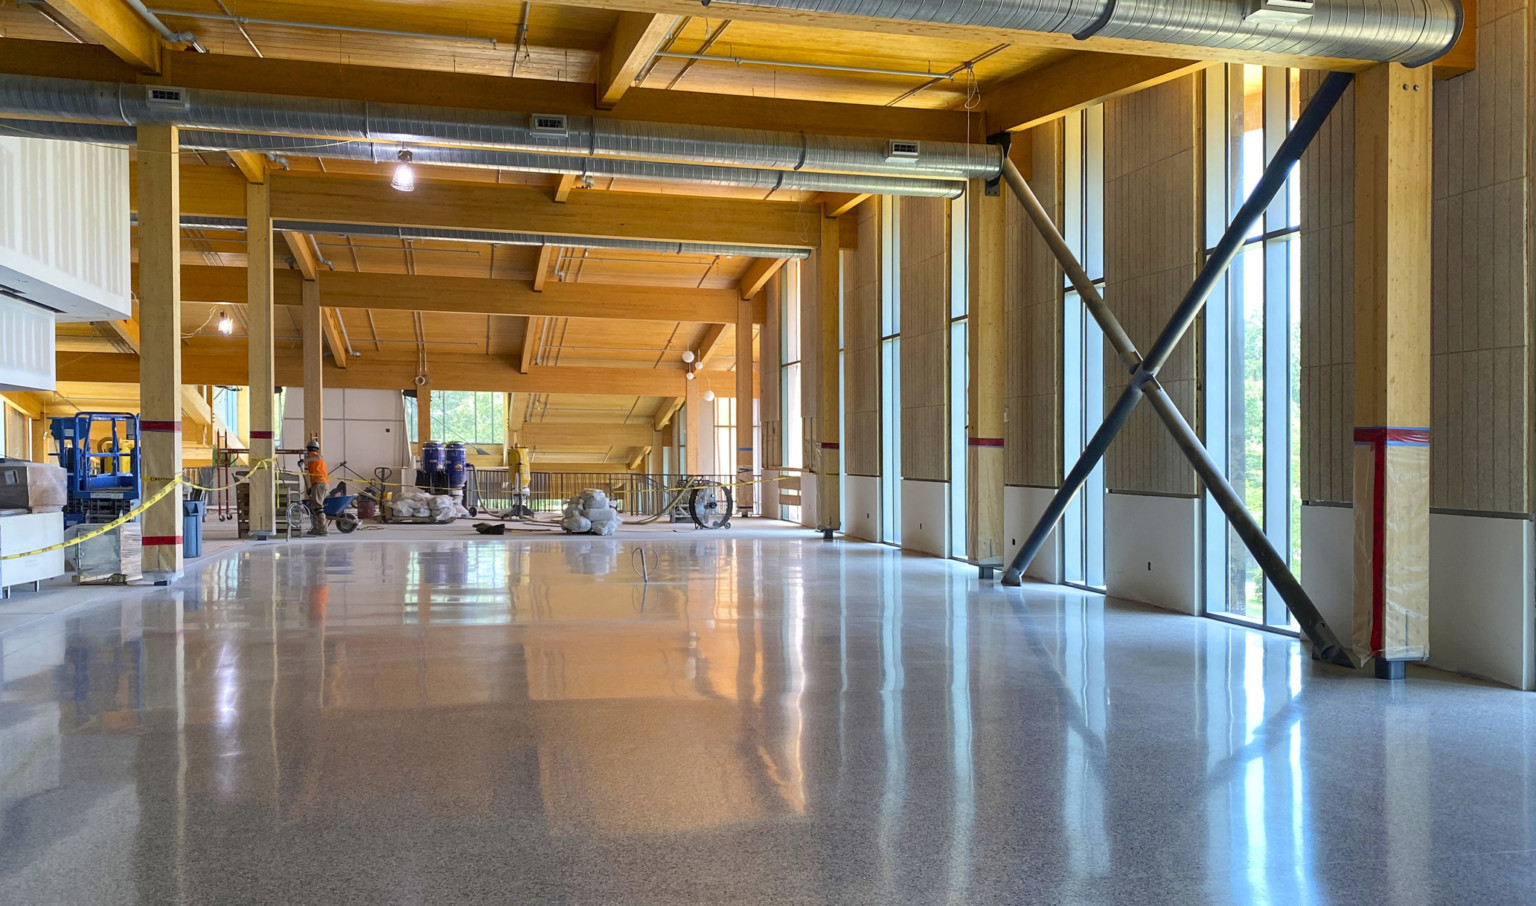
<point x="494" y="237"/>
<point x="1413" y="32"/>
<point x="414" y="126"/>
<point x="766" y="180"/>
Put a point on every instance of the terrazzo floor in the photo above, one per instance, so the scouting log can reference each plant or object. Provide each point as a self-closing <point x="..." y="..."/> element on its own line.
<point x="772" y="719"/>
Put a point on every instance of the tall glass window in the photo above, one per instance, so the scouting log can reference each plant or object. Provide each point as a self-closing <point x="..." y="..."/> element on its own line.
<point x="1253" y="342"/>
<point x="959" y="370"/>
<point x="1083" y="343"/>
<point x="890" y="372"/>
<point x="793" y="426"/>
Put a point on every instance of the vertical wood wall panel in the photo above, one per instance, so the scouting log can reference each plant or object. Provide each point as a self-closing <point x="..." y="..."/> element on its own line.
<point x="1482" y="289"/>
<point x="1034" y="328"/>
<point x="772" y="355"/>
<point x="1152" y="250"/>
<point x="861" y="346"/>
<point x="924" y="338"/>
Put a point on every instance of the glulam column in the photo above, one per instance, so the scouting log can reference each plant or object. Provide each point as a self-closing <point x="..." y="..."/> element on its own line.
<point x="263" y="421"/>
<point x="314" y="358"/>
<point x="829" y="495"/>
<point x="746" y="370"/>
<point x="1393" y="200"/>
<point x="693" y="418"/>
<point x="984" y="465"/>
<point x="159" y="188"/>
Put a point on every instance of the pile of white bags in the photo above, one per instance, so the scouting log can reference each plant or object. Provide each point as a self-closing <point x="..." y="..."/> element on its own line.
<point x="414" y="503"/>
<point x="590" y="513"/>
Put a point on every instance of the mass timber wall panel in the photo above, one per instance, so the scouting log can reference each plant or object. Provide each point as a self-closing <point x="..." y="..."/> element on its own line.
<point x="1034" y="326"/>
<point x="1328" y="304"/>
<point x="925" y="289"/>
<point x="1482" y="291"/>
<point x="1151" y="248"/>
<point x="1480" y="340"/>
<point x="861" y="345"/>
<point x="810" y="362"/>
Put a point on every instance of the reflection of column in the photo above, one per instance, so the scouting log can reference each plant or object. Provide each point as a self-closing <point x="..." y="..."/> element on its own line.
<point x="893" y="795"/>
<point x="963" y="820"/>
<point x="160" y="763"/>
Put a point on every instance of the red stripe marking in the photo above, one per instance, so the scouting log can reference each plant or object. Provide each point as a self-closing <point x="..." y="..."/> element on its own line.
<point x="986" y="441"/>
<point x="1378" y="546"/>
<point x="1416" y="436"/>
<point x="261" y="435"/>
<point x="831" y="446"/>
<point x="161" y="540"/>
<point x="160" y="426"/>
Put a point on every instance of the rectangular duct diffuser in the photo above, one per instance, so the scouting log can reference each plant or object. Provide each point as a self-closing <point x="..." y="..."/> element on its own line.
<point x="901" y="150"/>
<point x="548" y="124"/>
<point x="1278" y="12"/>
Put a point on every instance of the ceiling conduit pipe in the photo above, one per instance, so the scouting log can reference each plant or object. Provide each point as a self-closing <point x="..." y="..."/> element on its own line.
<point x="326" y="118"/>
<point x="1412" y="32"/>
<point x="766" y="180"/>
<point x="165" y="32"/>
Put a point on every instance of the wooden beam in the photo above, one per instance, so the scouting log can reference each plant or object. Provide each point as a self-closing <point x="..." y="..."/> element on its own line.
<point x="638" y="460"/>
<point x="631" y="43"/>
<point x="195" y="408"/>
<point x="758" y="275"/>
<point x="837" y="204"/>
<point x="330" y="323"/>
<point x="127" y="331"/>
<point x="531" y="341"/>
<point x="304" y="257"/>
<point x="541" y="266"/>
<point x="480" y="296"/>
<point x="1394" y="120"/>
<point x="252" y="165"/>
<point x="709" y="344"/>
<point x="223" y="361"/>
<point x="114" y="25"/>
<point x="617" y="215"/>
<point x="668" y="409"/>
<point x="569" y="434"/>
<point x="30" y="404"/>
<point x="564" y="186"/>
<point x="1075" y="83"/>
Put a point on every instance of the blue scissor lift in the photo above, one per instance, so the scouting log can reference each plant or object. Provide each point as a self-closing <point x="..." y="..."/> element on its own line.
<point x="103" y="475"/>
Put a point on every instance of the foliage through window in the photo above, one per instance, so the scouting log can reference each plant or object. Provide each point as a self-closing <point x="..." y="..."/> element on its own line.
<point x="468" y="417"/>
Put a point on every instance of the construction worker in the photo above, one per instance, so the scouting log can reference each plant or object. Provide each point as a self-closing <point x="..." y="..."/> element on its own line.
<point x="319" y="485"/>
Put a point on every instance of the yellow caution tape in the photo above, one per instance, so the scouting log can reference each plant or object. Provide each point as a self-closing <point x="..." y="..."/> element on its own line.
<point x="119" y="521"/>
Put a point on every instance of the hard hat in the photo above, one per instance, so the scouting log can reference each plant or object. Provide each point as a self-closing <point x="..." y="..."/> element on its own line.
<point x="313" y="445"/>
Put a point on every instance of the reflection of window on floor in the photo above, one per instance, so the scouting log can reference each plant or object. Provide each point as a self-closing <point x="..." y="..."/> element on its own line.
<point x="1253" y="342"/>
<point x="792" y="428"/>
<point x="1082" y="526"/>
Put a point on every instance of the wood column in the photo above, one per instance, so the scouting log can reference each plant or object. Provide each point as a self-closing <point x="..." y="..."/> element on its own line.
<point x="693" y="412"/>
<point x="263" y="420"/>
<point x="314" y="358"/>
<point x="746" y="367"/>
<point x="829" y="496"/>
<point x="1394" y="119"/>
<point x="985" y="460"/>
<point x="159" y="190"/>
<point x="424" y="417"/>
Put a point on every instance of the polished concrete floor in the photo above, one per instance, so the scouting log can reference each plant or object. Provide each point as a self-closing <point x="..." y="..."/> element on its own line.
<point x="772" y="720"/>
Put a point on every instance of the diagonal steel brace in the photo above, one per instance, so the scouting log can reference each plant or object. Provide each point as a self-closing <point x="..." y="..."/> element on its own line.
<point x="1143" y="371"/>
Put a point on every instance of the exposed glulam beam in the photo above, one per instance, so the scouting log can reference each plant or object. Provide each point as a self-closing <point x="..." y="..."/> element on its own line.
<point x="531" y="344"/>
<point x="567" y="434"/>
<point x="635" y="38"/>
<point x="1073" y="84"/>
<point x="709" y="345"/>
<point x="836" y="204"/>
<point x="252" y="166"/>
<point x="758" y="275"/>
<point x="668" y="409"/>
<point x="304" y="257"/>
<point x="114" y="25"/>
<point x="478" y="296"/>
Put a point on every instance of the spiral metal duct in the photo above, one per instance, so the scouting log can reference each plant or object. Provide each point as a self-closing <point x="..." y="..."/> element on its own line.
<point x="766" y="180"/>
<point x="587" y="137"/>
<point x="1413" y="32"/>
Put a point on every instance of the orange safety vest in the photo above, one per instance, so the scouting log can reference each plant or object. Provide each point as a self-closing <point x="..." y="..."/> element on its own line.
<point x="315" y="466"/>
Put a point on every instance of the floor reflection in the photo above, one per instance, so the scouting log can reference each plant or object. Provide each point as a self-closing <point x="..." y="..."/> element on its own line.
<point x="768" y="719"/>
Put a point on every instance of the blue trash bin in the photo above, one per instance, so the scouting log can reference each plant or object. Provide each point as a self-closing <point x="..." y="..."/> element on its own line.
<point x="192" y="528"/>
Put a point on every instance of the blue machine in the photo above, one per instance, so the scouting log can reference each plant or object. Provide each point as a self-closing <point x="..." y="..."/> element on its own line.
<point x="103" y="476"/>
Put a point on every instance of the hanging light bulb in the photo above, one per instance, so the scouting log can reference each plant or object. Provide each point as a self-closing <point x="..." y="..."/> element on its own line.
<point x="688" y="356"/>
<point x="226" y="323"/>
<point x="691" y="375"/>
<point x="709" y="396"/>
<point x="405" y="177"/>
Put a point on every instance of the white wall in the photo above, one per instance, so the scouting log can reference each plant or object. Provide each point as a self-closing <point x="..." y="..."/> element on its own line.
<point x="861" y="507"/>
<point x="363" y="428"/>
<point x="1152" y="550"/>
<point x="925" y="517"/>
<point x="1482" y="620"/>
<point x="1022" y="508"/>
<point x="26" y="347"/>
<point x="64" y="231"/>
<point x="808" y="500"/>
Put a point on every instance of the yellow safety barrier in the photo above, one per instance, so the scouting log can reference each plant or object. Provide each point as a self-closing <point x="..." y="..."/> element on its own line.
<point x="121" y="520"/>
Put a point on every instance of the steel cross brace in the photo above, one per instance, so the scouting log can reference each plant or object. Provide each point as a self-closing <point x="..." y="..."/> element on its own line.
<point x="1143" y="371"/>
